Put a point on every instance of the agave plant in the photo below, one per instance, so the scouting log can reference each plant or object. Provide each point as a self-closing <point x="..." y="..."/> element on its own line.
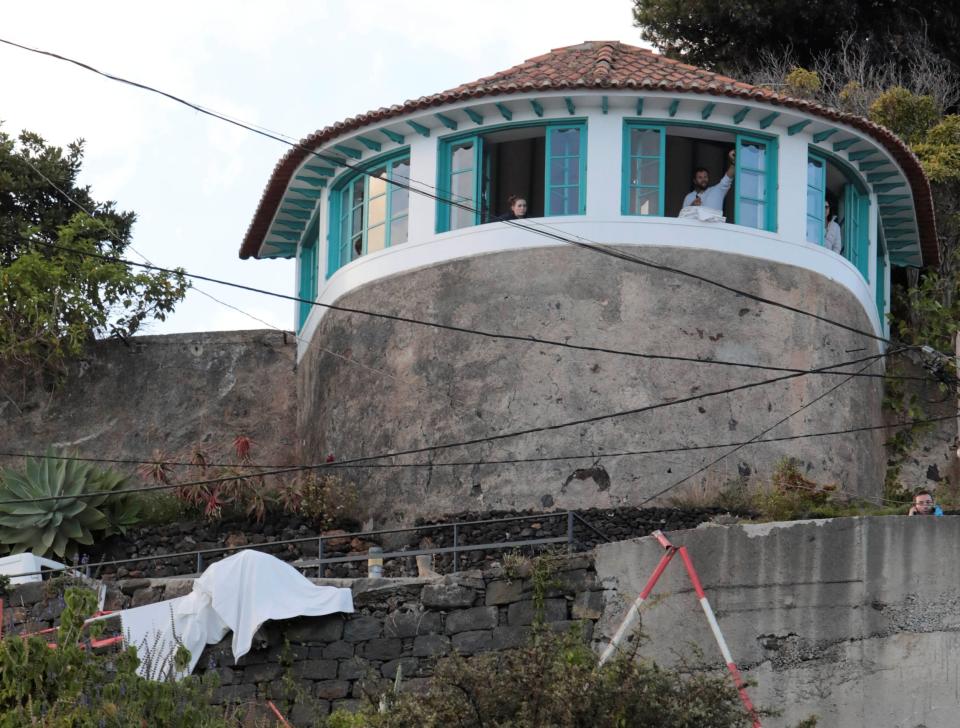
<point x="80" y="506"/>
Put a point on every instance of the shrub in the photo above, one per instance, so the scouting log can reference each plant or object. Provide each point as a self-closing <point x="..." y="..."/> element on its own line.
<point x="555" y="680"/>
<point x="75" y="685"/>
<point x="84" y="506"/>
<point x="907" y="115"/>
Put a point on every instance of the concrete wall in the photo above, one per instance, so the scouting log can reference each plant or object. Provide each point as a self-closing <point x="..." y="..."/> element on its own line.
<point x="854" y="620"/>
<point x="438" y="386"/>
<point x="167" y="394"/>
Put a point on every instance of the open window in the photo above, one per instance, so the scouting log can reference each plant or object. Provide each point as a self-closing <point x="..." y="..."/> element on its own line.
<point x="367" y="213"/>
<point x="833" y="183"/>
<point x="660" y="162"/>
<point x="543" y="163"/>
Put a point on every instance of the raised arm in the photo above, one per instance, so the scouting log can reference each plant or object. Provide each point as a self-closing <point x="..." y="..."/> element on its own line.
<point x="732" y="169"/>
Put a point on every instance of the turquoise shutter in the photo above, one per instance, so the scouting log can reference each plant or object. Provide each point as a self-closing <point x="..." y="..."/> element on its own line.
<point x="566" y="164"/>
<point x="644" y="151"/>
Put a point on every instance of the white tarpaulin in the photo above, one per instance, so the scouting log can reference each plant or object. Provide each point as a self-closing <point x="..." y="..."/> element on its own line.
<point x="26" y="563"/>
<point x="239" y="593"/>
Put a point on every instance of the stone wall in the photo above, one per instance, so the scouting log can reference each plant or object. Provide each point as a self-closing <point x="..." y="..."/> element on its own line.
<point x="442" y="387"/>
<point x="399" y="625"/>
<point x="165" y="394"/>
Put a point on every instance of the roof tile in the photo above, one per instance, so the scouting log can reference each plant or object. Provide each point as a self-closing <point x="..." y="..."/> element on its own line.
<point x="597" y="64"/>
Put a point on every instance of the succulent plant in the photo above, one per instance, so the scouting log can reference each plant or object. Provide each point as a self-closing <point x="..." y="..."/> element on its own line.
<point x="83" y="509"/>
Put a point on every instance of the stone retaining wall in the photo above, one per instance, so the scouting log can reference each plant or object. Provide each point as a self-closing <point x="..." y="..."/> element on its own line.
<point x="320" y="664"/>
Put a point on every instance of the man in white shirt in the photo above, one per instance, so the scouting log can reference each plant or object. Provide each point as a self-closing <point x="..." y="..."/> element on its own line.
<point x="712" y="197"/>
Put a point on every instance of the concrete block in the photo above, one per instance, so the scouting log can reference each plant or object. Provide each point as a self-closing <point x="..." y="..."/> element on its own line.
<point x="503" y="592"/>
<point x="381" y="649"/>
<point x="360" y="629"/>
<point x="447" y="596"/>
<point x="429" y="645"/>
<point x="521" y="613"/>
<point x="315" y="669"/>
<point x="467" y="620"/>
<point x="469" y="643"/>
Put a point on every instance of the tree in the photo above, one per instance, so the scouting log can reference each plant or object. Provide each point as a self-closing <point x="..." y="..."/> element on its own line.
<point x="728" y="34"/>
<point x="54" y="301"/>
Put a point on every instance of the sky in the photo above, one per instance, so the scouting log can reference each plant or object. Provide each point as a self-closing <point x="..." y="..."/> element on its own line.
<point x="292" y="67"/>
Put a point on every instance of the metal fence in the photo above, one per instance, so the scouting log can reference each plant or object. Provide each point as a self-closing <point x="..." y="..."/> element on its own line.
<point x="572" y="519"/>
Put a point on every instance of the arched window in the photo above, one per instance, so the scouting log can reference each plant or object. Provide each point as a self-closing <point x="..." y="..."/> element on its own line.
<point x="367" y="212"/>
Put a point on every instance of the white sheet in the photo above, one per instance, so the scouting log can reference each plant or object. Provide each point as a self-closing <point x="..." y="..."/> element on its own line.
<point x="26" y="563"/>
<point x="704" y="214"/>
<point x="239" y="593"/>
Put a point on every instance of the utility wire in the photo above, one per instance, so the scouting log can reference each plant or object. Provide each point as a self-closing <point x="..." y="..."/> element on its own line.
<point x="421" y="189"/>
<point x="473" y="411"/>
<point x="756" y="437"/>
<point x="474" y="441"/>
<point x="528" y="339"/>
<point x="595" y="455"/>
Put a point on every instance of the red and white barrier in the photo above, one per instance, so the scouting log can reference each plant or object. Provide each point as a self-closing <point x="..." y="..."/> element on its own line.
<point x="633" y="614"/>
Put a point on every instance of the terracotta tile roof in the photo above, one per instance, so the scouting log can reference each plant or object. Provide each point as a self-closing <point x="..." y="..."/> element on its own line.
<point x="599" y="65"/>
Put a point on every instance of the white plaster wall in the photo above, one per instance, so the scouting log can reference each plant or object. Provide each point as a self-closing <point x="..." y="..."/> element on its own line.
<point x="603" y="222"/>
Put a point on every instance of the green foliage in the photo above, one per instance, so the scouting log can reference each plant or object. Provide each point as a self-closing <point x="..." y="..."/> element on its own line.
<point x="60" y="526"/>
<point x="555" y="681"/>
<point x="53" y="302"/>
<point x="727" y="34"/>
<point x="940" y="151"/>
<point x="910" y="116"/>
<point x="76" y="687"/>
<point x="802" y="84"/>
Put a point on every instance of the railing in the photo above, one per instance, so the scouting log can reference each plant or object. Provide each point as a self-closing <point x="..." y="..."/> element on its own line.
<point x="572" y="518"/>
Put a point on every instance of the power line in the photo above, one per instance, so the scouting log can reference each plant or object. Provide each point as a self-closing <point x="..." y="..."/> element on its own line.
<point x="595" y="455"/>
<point x="528" y="339"/>
<point x="459" y="403"/>
<point x="422" y="188"/>
<point x="759" y="435"/>
<point x="478" y="440"/>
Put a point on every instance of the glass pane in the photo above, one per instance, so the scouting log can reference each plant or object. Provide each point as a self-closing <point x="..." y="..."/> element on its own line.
<point x="565" y="143"/>
<point x="398" y="231"/>
<point x="357" y="193"/>
<point x="376" y="238"/>
<point x="377" y="212"/>
<point x="645" y="172"/>
<point x="752" y="184"/>
<point x="344" y="228"/>
<point x="644" y="202"/>
<point x="815" y="174"/>
<point x="462" y="185"/>
<point x="753" y="156"/>
<point x="377" y="184"/>
<point x="399" y="201"/>
<point x="460" y="218"/>
<point x="565" y="171"/>
<point x="750" y="214"/>
<point x="564" y="201"/>
<point x="645" y="142"/>
<point x="401" y="170"/>
<point x="357" y="221"/>
<point x="814" y="234"/>
<point x="357" y="247"/>
<point x="462" y="157"/>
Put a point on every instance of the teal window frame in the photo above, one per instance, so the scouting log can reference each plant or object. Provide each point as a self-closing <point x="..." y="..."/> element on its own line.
<point x="856" y="227"/>
<point x="581" y="166"/>
<point x="340" y="229"/>
<point x="445" y="173"/>
<point x="628" y="185"/>
<point x="819" y="196"/>
<point x="309" y="262"/>
<point x="881" y="284"/>
<point x="769" y="173"/>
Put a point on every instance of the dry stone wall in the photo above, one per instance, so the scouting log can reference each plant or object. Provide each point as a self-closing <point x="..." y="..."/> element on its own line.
<point x="400" y="625"/>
